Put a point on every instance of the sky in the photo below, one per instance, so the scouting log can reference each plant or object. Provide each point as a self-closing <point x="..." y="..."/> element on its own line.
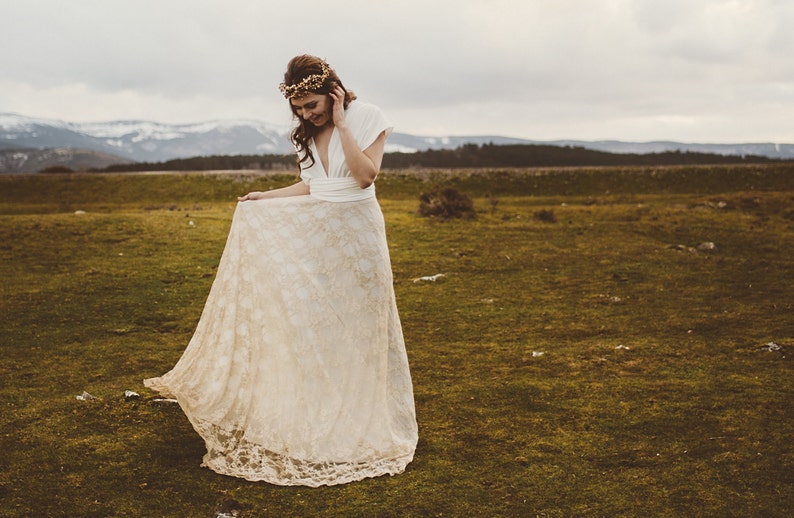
<point x="716" y="71"/>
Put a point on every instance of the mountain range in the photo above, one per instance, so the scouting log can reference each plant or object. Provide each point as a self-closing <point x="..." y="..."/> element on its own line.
<point x="24" y="139"/>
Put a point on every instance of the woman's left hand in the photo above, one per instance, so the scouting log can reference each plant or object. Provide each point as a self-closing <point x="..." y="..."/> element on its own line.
<point x="338" y="111"/>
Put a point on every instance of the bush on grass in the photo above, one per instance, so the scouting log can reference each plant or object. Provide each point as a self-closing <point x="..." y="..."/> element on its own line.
<point x="546" y="216"/>
<point x="446" y="203"/>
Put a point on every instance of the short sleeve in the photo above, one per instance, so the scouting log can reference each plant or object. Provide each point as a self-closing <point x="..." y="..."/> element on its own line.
<point x="307" y="175"/>
<point x="367" y="122"/>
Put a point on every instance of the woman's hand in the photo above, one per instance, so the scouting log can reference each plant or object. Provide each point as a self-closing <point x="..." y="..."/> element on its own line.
<point x="297" y="189"/>
<point x="253" y="195"/>
<point x="338" y="110"/>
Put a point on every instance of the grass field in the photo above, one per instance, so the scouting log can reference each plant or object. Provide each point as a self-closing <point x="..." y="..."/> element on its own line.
<point x="580" y="357"/>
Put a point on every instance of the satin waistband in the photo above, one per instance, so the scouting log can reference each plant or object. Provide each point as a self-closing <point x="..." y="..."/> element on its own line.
<point x="339" y="189"/>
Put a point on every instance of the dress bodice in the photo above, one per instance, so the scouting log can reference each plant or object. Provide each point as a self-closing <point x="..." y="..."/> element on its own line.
<point x="366" y="122"/>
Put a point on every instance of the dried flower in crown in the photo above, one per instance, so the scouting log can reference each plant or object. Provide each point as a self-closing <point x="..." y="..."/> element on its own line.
<point x="307" y="85"/>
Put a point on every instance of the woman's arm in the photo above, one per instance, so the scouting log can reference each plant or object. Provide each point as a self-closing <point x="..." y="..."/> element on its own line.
<point x="296" y="189"/>
<point x="364" y="165"/>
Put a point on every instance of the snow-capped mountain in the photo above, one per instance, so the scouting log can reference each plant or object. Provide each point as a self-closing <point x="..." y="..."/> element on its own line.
<point x="147" y="141"/>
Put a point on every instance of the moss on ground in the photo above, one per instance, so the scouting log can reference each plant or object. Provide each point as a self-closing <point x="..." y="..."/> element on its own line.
<point x="597" y="363"/>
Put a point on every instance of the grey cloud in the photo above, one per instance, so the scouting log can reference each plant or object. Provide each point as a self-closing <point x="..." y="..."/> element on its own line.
<point x="586" y="65"/>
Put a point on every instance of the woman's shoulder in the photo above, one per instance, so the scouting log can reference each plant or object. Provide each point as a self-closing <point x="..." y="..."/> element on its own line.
<point x="362" y="109"/>
<point x="364" y="115"/>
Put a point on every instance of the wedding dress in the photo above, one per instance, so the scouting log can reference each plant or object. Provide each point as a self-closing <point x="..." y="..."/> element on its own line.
<point x="297" y="372"/>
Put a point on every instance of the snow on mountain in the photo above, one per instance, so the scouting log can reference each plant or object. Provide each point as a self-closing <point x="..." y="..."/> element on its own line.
<point x="12" y="121"/>
<point x="159" y="131"/>
<point x="147" y="141"/>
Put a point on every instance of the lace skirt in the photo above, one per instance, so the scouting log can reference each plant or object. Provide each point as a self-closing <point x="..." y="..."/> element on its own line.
<point x="297" y="372"/>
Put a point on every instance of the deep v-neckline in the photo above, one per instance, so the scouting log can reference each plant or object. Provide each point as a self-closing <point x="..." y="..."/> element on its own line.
<point x="325" y="164"/>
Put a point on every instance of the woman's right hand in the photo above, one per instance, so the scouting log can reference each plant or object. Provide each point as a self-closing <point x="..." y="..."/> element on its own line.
<point x="295" y="189"/>
<point x="253" y="195"/>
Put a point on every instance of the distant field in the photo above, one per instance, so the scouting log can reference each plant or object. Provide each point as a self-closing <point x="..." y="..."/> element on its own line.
<point x="604" y="342"/>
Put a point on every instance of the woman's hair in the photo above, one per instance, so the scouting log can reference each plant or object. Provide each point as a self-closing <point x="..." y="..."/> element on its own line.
<point x="308" y="75"/>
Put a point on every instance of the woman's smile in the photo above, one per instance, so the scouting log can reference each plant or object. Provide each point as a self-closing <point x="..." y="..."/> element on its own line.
<point x="315" y="108"/>
<point x="318" y="119"/>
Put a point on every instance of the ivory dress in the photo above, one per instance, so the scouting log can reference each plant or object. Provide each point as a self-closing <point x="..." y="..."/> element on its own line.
<point x="297" y="372"/>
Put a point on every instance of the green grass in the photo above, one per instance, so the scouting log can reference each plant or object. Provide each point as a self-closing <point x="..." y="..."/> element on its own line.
<point x="688" y="417"/>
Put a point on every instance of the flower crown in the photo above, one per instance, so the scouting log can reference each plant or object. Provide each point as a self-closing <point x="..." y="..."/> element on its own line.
<point x="307" y="85"/>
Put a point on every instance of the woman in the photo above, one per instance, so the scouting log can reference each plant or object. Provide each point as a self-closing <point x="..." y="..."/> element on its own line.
<point x="297" y="372"/>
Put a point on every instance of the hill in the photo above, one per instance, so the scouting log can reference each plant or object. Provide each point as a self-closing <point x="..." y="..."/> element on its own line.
<point x="35" y="160"/>
<point x="148" y="141"/>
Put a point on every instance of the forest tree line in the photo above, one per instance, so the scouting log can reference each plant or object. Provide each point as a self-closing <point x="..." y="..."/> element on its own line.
<point x="537" y="155"/>
<point x="465" y="156"/>
<point x="210" y="163"/>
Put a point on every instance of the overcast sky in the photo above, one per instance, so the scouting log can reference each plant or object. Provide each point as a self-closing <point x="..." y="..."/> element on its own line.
<point x="636" y="70"/>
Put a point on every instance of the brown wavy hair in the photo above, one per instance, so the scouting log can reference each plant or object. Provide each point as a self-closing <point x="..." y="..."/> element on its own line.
<point x="298" y="69"/>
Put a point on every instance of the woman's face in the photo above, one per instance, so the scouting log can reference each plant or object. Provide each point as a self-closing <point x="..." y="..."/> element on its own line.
<point x="315" y="108"/>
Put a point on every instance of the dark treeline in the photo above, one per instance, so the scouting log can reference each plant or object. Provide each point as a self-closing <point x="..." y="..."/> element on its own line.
<point x="466" y="156"/>
<point x="210" y="163"/>
<point x="530" y="155"/>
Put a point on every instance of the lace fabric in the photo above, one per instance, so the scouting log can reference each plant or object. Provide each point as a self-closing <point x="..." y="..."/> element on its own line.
<point x="297" y="372"/>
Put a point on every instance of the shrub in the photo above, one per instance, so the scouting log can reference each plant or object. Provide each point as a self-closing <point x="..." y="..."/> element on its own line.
<point x="446" y="204"/>
<point x="547" y="216"/>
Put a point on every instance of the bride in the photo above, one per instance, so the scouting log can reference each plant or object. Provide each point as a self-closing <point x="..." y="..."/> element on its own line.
<point x="297" y="372"/>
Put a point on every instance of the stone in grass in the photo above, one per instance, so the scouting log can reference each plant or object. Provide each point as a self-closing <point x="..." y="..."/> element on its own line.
<point x="85" y="396"/>
<point x="229" y="508"/>
<point x="129" y="395"/>
<point x="706" y="246"/>
<point x="430" y="278"/>
<point x="772" y="347"/>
